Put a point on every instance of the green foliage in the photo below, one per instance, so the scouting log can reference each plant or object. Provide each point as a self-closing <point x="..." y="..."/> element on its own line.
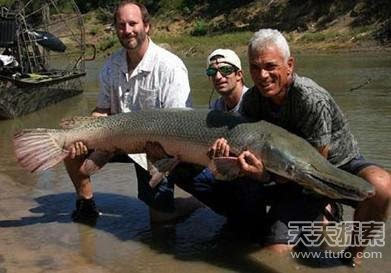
<point x="108" y="43"/>
<point x="94" y="30"/>
<point x="86" y="6"/>
<point x="313" y="37"/>
<point x="211" y="8"/>
<point x="165" y="6"/>
<point x="63" y="8"/>
<point x="152" y="5"/>
<point x="104" y="15"/>
<point x="5" y="3"/>
<point x="200" y="28"/>
<point x="326" y="36"/>
<point x="201" y="45"/>
<point x="190" y="4"/>
<point x="308" y="21"/>
<point x="362" y="30"/>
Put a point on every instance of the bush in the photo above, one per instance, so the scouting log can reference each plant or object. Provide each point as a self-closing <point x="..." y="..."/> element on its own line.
<point x="104" y="15"/>
<point x="313" y="37"/>
<point x="108" y="43"/>
<point x="94" y="30"/>
<point x="200" y="28"/>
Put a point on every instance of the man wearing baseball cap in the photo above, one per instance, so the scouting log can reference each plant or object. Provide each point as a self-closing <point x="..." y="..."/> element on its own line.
<point x="224" y="69"/>
<point x="238" y="201"/>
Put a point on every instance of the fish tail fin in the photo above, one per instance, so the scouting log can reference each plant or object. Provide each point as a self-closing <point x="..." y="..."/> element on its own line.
<point x="39" y="149"/>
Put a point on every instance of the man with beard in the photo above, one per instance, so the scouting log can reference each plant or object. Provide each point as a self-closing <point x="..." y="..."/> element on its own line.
<point x="141" y="75"/>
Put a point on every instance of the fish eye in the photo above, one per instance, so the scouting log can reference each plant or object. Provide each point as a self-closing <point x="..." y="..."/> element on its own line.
<point x="290" y="169"/>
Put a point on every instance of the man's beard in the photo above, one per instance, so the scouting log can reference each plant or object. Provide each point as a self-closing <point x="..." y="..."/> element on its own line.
<point x="135" y="43"/>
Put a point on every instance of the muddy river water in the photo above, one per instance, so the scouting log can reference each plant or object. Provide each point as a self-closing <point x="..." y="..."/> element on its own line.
<point x="37" y="234"/>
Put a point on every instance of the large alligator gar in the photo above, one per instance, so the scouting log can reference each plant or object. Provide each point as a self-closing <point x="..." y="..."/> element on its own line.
<point x="188" y="135"/>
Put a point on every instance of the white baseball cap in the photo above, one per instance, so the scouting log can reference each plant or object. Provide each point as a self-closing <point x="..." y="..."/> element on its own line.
<point x="227" y="56"/>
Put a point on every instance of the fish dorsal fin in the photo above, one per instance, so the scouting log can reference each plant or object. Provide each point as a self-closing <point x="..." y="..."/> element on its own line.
<point x="77" y="121"/>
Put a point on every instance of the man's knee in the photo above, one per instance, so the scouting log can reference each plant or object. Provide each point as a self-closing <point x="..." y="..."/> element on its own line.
<point x="380" y="179"/>
<point x="377" y="207"/>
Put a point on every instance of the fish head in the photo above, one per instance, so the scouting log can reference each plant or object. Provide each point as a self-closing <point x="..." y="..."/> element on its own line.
<point x="336" y="184"/>
<point x="306" y="166"/>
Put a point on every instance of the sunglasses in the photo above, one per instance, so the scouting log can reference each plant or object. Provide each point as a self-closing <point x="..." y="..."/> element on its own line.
<point x="224" y="70"/>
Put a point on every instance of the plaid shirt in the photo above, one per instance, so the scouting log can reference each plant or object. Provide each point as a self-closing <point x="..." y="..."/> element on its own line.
<point x="310" y="112"/>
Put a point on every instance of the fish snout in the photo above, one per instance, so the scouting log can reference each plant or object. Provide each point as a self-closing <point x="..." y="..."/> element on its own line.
<point x="371" y="193"/>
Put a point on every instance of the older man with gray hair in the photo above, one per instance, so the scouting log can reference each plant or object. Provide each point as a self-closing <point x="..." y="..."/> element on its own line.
<point x="301" y="106"/>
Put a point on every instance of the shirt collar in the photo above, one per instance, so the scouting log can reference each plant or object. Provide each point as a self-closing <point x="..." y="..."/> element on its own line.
<point x="149" y="59"/>
<point x="237" y="106"/>
<point x="147" y="62"/>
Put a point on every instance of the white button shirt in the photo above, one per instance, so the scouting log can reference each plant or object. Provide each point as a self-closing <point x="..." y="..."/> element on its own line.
<point x="160" y="80"/>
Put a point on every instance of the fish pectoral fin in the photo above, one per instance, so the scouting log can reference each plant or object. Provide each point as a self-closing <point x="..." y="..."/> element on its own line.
<point x="225" y="168"/>
<point x="73" y="122"/>
<point x="165" y="164"/>
<point x="155" y="151"/>
<point x="161" y="168"/>
<point x="95" y="161"/>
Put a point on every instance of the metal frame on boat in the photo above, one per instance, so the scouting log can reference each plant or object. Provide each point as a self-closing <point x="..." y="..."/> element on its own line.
<point x="42" y="54"/>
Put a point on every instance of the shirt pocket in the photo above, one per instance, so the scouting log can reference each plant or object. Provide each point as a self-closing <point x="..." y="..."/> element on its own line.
<point x="146" y="98"/>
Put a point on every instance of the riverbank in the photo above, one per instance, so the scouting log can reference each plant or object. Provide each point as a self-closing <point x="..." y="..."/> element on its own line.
<point x="186" y="45"/>
<point x="194" y="29"/>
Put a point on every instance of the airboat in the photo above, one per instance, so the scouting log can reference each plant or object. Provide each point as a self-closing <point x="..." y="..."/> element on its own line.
<point x="42" y="54"/>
